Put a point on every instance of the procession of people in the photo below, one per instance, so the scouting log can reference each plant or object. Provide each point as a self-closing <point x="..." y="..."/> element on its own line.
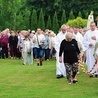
<point x="70" y="45"/>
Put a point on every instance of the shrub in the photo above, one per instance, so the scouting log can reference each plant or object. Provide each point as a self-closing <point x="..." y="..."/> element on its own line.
<point x="77" y="22"/>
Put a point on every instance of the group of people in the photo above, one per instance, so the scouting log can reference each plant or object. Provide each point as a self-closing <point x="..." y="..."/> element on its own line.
<point x="69" y="45"/>
<point x="27" y="45"/>
<point x="72" y="45"/>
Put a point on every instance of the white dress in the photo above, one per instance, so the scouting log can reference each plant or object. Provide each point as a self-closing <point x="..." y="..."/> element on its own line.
<point x="27" y="52"/>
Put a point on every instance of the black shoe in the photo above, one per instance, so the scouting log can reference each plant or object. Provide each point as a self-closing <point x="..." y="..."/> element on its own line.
<point x="41" y="63"/>
<point x="59" y="76"/>
<point x="37" y="64"/>
<point x="90" y="75"/>
<point x="96" y="75"/>
<point x="74" y="81"/>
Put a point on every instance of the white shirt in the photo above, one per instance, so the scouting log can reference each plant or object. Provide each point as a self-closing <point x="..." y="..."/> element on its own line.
<point x="38" y="38"/>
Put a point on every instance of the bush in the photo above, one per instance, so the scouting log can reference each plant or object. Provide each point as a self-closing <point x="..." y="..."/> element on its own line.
<point x="77" y="22"/>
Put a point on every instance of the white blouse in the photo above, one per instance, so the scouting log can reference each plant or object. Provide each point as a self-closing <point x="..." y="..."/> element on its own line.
<point x="27" y="45"/>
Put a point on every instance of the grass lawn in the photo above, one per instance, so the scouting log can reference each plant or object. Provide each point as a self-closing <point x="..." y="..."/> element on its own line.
<point x="25" y="81"/>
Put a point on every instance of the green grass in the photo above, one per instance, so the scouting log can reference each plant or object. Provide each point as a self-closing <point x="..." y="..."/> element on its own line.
<point x="25" y="81"/>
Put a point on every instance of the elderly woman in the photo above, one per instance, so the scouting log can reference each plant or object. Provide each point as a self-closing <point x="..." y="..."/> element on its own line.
<point x="71" y="51"/>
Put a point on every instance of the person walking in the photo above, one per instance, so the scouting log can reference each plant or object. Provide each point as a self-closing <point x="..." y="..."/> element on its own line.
<point x="38" y="40"/>
<point x="27" y="51"/>
<point x="60" y="69"/>
<point x="69" y="49"/>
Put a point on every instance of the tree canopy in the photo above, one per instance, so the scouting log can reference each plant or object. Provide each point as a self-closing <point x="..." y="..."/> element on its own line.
<point x="18" y="14"/>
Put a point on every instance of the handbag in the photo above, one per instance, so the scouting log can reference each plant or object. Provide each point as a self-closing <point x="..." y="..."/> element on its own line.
<point x="41" y="46"/>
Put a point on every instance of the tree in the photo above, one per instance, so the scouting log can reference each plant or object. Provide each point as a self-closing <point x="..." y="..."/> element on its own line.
<point x="80" y="14"/>
<point x="41" y="22"/>
<point x="34" y="20"/>
<point x="86" y="15"/>
<point x="63" y="18"/>
<point x="49" y="25"/>
<point x="71" y="15"/>
<point x="8" y="11"/>
<point x="19" y="22"/>
<point x="26" y="18"/>
<point x="50" y="6"/>
<point x="55" y="23"/>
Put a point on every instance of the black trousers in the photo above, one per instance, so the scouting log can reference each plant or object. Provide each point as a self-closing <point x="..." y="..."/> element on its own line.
<point x="4" y="52"/>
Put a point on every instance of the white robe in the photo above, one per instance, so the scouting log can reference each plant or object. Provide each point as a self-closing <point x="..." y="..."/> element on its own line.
<point x="90" y="60"/>
<point x="60" y="68"/>
<point x="79" y="38"/>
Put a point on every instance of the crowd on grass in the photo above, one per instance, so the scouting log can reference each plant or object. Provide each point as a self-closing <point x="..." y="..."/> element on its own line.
<point x="43" y="45"/>
<point x="24" y="44"/>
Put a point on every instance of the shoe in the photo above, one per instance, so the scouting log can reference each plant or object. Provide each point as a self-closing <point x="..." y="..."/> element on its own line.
<point x="37" y="64"/>
<point x="74" y="81"/>
<point x="78" y="72"/>
<point x="69" y="83"/>
<point x="41" y="63"/>
<point x="90" y="75"/>
<point x="47" y="59"/>
<point x="59" y="76"/>
<point x="96" y="75"/>
<point x="23" y="64"/>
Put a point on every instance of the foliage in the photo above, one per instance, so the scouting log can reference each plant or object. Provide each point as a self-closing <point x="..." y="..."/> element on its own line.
<point x="50" y="6"/>
<point x="80" y="14"/>
<point x="63" y="18"/>
<point x="71" y="15"/>
<point x="55" y="23"/>
<point x="26" y="18"/>
<point x="77" y="22"/>
<point x="86" y="15"/>
<point x="49" y="25"/>
<point x="19" y="21"/>
<point x="10" y="11"/>
<point x="41" y="22"/>
<point x="34" y="20"/>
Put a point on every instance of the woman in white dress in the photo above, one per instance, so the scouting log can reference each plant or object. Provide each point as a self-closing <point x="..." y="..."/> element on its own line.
<point x="27" y="51"/>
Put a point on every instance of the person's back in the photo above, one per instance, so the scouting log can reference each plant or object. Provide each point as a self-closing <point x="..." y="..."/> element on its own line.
<point x="4" y="40"/>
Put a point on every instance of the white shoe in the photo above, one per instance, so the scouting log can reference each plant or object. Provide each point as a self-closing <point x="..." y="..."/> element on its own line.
<point x="78" y="72"/>
<point x="69" y="83"/>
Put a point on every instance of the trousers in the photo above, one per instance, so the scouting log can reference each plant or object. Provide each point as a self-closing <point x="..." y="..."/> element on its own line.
<point x="71" y="70"/>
